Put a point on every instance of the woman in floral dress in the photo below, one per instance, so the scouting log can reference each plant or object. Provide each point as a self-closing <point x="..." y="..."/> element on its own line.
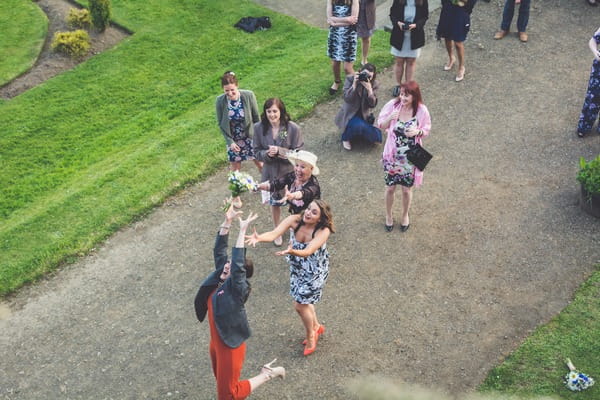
<point x="308" y="258"/>
<point x="237" y="111"/>
<point x="591" y="104"/>
<point x="342" y="16"/>
<point x="407" y="121"/>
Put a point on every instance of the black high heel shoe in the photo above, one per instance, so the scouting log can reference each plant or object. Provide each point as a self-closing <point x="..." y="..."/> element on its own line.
<point x="333" y="91"/>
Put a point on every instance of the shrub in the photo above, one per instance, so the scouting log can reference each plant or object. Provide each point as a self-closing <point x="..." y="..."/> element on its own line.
<point x="589" y="175"/>
<point x="79" y="18"/>
<point x="100" y="10"/>
<point x="74" y="43"/>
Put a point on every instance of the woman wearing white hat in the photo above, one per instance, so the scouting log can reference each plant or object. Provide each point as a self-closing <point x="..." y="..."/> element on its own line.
<point x="301" y="185"/>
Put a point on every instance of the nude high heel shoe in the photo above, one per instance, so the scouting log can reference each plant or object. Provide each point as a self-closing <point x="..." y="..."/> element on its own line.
<point x="273" y="372"/>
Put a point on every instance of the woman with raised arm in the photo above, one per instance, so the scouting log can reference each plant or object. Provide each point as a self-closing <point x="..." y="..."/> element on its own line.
<point x="222" y="296"/>
<point x="308" y="258"/>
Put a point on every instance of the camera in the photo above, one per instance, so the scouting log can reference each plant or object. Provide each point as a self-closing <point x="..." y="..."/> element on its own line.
<point x="406" y="26"/>
<point x="363" y="76"/>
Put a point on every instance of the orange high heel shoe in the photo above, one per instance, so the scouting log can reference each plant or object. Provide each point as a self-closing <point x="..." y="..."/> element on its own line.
<point x="320" y="330"/>
<point x="309" y="350"/>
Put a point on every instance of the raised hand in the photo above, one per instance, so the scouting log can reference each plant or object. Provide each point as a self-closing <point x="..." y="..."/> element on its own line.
<point x="284" y="252"/>
<point x="252" y="239"/>
<point x="231" y="213"/>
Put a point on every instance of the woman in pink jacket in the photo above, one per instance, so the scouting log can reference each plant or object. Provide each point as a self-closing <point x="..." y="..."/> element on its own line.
<point x="407" y="121"/>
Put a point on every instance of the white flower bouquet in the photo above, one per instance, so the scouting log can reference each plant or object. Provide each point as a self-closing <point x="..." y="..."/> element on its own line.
<point x="239" y="182"/>
<point x="575" y="380"/>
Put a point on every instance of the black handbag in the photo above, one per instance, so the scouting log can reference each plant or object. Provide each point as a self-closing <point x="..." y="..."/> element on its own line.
<point x="418" y="156"/>
<point x="252" y="24"/>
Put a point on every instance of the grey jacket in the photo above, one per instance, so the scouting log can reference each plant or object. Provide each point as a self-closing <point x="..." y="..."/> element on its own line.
<point x="227" y="300"/>
<point x="251" y="114"/>
<point x="353" y="100"/>
<point x="275" y="167"/>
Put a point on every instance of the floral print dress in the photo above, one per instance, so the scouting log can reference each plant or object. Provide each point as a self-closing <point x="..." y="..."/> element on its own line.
<point x="235" y="109"/>
<point x="400" y="171"/>
<point x="308" y="274"/>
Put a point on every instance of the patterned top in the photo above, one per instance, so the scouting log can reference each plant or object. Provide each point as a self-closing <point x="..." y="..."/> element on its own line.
<point x="310" y="190"/>
<point x="400" y="171"/>
<point x="308" y="274"/>
<point x="342" y="40"/>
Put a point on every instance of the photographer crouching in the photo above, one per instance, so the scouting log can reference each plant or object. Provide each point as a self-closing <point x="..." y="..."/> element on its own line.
<point x="355" y="119"/>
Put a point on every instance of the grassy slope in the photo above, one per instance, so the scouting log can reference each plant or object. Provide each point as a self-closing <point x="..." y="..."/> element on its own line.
<point x="88" y="151"/>
<point x="24" y="27"/>
<point x="537" y="366"/>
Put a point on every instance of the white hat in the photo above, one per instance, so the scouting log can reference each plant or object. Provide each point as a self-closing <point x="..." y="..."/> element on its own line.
<point x="306" y="156"/>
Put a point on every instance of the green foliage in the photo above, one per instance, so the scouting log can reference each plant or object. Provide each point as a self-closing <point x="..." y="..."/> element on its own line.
<point x="589" y="175"/>
<point x="93" y="149"/>
<point x="79" y="18"/>
<point x="24" y="27"/>
<point x="100" y="10"/>
<point x="73" y="43"/>
<point x="538" y="366"/>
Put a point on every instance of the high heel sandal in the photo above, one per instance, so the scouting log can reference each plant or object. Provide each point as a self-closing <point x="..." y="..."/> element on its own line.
<point x="319" y="331"/>
<point x="272" y="372"/>
<point x="448" y="67"/>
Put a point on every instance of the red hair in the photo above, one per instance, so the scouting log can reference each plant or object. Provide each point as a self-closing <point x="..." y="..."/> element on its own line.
<point x="412" y="88"/>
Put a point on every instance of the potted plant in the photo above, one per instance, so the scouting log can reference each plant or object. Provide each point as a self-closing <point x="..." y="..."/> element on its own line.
<point x="589" y="177"/>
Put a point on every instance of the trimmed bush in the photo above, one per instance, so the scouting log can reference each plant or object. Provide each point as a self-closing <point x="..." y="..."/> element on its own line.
<point x="100" y="10"/>
<point x="74" y="43"/>
<point x="589" y="175"/>
<point x="79" y="18"/>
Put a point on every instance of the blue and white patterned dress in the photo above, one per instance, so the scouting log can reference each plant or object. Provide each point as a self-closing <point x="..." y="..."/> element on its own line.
<point x="342" y="40"/>
<point x="236" y="114"/>
<point x="308" y="274"/>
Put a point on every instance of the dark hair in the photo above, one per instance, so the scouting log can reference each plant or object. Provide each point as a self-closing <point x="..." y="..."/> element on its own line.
<point x="326" y="220"/>
<point x="229" y="78"/>
<point x="371" y="68"/>
<point x="249" y="267"/>
<point x="284" y="117"/>
<point x="412" y="88"/>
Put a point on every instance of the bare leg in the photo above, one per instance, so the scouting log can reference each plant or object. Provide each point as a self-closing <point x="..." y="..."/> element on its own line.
<point x="389" y="202"/>
<point x="406" y="200"/>
<point x="307" y="315"/>
<point x="336" y="68"/>
<point x="399" y="69"/>
<point x="410" y="69"/>
<point x="235" y="165"/>
<point x="349" y="68"/>
<point x="276" y="214"/>
<point x="449" y="48"/>
<point x="366" y="44"/>
<point x="267" y="373"/>
<point x="460" y="52"/>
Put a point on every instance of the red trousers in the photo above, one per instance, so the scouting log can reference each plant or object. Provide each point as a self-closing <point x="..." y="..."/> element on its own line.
<point x="226" y="364"/>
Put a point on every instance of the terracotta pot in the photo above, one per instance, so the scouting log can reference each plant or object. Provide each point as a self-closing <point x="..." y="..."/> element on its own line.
<point x="590" y="203"/>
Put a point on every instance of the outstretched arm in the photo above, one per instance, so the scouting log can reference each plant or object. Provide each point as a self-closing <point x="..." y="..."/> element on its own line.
<point x="244" y="223"/>
<point x="286" y="224"/>
<point x="315" y="244"/>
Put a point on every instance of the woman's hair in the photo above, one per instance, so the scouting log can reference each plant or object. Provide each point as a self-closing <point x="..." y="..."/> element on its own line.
<point x="284" y="117"/>
<point x="412" y="88"/>
<point x="249" y="267"/>
<point x="229" y="78"/>
<point x="371" y="68"/>
<point x="326" y="220"/>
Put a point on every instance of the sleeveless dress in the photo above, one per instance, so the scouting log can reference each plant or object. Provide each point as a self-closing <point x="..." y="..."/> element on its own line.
<point x="410" y="11"/>
<point x="401" y="171"/>
<point x="308" y="274"/>
<point x="342" y="40"/>
<point x="236" y="114"/>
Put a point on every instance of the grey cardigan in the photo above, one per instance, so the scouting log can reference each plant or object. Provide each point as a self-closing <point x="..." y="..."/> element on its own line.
<point x="251" y="114"/>
<point x="275" y="167"/>
<point x="229" y="299"/>
<point x="353" y="100"/>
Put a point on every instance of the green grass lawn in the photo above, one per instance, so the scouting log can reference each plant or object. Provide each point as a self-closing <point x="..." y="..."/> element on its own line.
<point x="24" y="26"/>
<point x="92" y="149"/>
<point x="537" y="367"/>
